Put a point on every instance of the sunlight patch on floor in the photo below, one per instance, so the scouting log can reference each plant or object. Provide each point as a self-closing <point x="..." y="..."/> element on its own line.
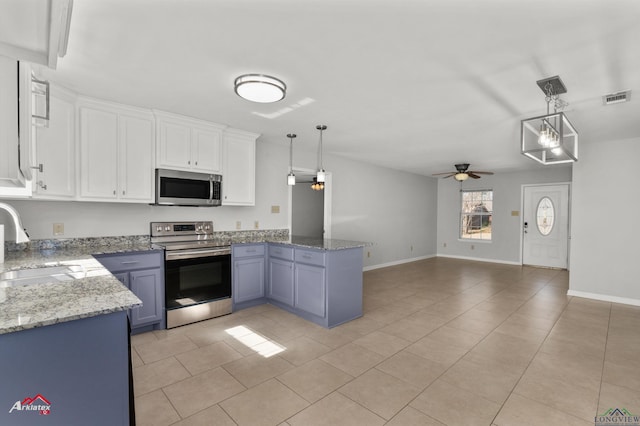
<point x="255" y="341"/>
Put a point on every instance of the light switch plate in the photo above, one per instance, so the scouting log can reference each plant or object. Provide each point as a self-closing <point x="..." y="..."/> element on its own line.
<point x="58" y="229"/>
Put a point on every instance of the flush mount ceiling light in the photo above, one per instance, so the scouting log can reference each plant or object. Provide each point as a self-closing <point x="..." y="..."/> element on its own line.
<point x="260" y="88"/>
<point x="291" y="178"/>
<point x="321" y="175"/>
<point x="550" y="138"/>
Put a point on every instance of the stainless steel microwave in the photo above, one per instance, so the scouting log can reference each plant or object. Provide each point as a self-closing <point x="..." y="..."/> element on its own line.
<point x="179" y="188"/>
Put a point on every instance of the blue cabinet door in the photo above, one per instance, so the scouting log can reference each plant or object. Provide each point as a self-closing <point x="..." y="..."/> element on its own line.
<point x="310" y="289"/>
<point x="248" y="279"/>
<point x="146" y="284"/>
<point x="281" y="280"/>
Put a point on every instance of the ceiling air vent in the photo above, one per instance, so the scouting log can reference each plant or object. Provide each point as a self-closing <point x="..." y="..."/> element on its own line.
<point x="616" y="98"/>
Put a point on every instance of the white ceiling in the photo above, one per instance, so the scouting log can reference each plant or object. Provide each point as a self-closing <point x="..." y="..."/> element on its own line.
<point x="414" y="85"/>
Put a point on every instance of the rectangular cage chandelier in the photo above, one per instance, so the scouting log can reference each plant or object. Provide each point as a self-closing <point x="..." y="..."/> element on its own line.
<point x="550" y="138"/>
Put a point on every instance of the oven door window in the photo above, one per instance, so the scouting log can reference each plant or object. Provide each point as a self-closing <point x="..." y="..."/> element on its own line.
<point x="192" y="281"/>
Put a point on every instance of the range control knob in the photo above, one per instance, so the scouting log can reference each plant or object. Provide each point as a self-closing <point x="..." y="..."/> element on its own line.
<point x="167" y="228"/>
<point x="159" y="228"/>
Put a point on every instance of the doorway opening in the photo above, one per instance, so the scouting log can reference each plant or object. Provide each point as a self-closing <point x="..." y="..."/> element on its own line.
<point x="310" y="210"/>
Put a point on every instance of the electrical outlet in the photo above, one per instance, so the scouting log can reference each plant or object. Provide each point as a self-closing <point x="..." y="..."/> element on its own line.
<point x="444" y="245"/>
<point x="58" y="229"/>
<point x="473" y="247"/>
<point x="368" y="254"/>
<point x="256" y="225"/>
<point x="275" y="209"/>
<point x="411" y="248"/>
<point x="238" y="224"/>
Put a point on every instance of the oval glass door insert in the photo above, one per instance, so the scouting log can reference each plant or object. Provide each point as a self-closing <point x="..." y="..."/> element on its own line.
<point x="545" y="214"/>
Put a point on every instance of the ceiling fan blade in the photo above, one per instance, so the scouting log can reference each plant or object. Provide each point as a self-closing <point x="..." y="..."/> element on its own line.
<point x="473" y="175"/>
<point x="445" y="173"/>
<point x="481" y="173"/>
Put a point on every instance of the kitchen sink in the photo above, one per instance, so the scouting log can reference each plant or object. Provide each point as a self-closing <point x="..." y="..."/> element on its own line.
<point x="49" y="274"/>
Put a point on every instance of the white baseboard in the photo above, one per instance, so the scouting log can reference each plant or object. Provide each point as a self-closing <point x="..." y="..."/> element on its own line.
<point x="481" y="259"/>
<point x="604" y="297"/>
<point x="396" y="262"/>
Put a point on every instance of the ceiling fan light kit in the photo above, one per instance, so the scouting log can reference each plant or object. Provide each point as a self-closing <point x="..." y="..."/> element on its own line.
<point x="550" y="138"/>
<point x="462" y="173"/>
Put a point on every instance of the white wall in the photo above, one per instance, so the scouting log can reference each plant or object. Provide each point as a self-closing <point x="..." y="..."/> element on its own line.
<point x="604" y="247"/>
<point x="506" y="231"/>
<point x="392" y="209"/>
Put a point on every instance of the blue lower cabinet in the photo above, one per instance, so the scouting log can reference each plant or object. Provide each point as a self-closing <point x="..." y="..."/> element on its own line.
<point x="322" y="286"/>
<point x="248" y="275"/>
<point x="70" y="373"/>
<point x="281" y="279"/>
<point x="147" y="285"/>
<point x="310" y="289"/>
<point x="143" y="274"/>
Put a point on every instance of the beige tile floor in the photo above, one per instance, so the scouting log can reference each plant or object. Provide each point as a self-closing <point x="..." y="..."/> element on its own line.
<point x="442" y="341"/>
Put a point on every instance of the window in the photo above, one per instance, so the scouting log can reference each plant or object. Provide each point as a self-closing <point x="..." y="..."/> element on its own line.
<point x="545" y="215"/>
<point x="476" y="213"/>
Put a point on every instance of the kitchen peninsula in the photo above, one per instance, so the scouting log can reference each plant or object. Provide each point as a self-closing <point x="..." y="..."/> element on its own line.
<point x="317" y="279"/>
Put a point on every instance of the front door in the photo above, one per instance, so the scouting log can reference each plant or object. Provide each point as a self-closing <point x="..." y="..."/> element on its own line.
<point x="546" y="225"/>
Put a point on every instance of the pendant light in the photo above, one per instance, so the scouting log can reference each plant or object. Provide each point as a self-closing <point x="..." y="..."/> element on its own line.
<point x="550" y="138"/>
<point x="291" y="178"/>
<point x="321" y="174"/>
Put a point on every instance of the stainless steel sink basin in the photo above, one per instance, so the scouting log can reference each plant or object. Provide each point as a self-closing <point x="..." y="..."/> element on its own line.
<point x="49" y="274"/>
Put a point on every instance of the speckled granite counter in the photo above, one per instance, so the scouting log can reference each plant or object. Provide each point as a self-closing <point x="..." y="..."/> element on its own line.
<point x="98" y="292"/>
<point x="325" y="244"/>
<point x="93" y="292"/>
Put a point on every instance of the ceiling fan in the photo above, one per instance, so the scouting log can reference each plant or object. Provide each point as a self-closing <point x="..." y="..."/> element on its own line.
<point x="462" y="173"/>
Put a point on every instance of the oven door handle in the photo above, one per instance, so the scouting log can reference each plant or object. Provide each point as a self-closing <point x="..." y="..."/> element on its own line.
<point x="191" y="254"/>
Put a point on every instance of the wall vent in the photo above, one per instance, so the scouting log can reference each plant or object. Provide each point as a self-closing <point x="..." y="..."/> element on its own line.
<point x="616" y="98"/>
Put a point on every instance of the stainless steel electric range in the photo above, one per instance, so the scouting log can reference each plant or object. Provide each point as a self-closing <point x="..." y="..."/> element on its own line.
<point x="197" y="271"/>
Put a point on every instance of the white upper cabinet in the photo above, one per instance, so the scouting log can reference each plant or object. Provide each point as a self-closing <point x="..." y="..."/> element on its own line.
<point x="54" y="175"/>
<point x="239" y="168"/>
<point x="185" y="143"/>
<point x="116" y="144"/>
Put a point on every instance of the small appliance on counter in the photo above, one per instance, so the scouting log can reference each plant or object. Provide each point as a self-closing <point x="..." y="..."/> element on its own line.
<point x="197" y="271"/>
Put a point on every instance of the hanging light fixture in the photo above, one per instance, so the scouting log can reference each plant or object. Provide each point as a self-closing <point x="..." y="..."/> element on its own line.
<point x="550" y="138"/>
<point x="321" y="174"/>
<point x="260" y="88"/>
<point x="291" y="178"/>
<point x="317" y="186"/>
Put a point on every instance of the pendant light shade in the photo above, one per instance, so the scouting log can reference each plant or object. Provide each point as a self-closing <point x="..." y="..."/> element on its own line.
<point x="321" y="174"/>
<point x="291" y="178"/>
<point x="260" y="88"/>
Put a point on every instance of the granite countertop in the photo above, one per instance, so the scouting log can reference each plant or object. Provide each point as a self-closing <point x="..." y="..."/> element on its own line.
<point x="93" y="292"/>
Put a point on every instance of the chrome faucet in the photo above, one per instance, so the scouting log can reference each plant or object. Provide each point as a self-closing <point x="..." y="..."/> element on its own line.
<point x="21" y="236"/>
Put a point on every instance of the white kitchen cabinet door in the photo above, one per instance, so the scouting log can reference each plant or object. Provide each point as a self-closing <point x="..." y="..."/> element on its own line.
<point x="239" y="169"/>
<point x="55" y="151"/>
<point x="206" y="150"/>
<point x="98" y="154"/>
<point x="174" y="145"/>
<point x="186" y="143"/>
<point x="135" y="162"/>
<point x="116" y="152"/>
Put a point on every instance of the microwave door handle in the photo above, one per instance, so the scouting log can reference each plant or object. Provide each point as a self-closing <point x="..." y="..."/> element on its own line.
<point x="210" y="189"/>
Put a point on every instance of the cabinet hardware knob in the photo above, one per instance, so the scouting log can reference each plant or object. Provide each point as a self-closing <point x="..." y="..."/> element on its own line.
<point x="39" y="167"/>
<point x="115" y="192"/>
<point x="42" y="185"/>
